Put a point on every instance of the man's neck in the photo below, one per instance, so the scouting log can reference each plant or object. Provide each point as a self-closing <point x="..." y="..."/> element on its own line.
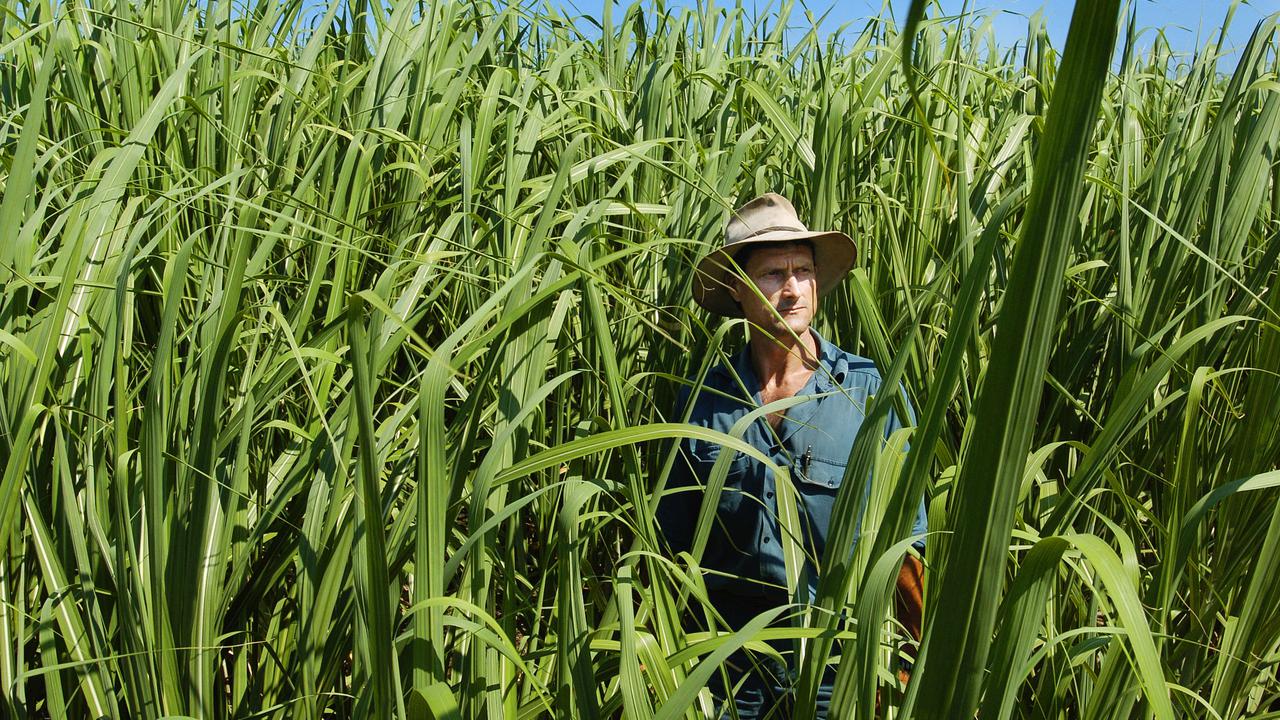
<point x="776" y="359"/>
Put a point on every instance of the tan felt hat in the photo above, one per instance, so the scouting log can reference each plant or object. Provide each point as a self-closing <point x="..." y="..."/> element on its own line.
<point x="768" y="218"/>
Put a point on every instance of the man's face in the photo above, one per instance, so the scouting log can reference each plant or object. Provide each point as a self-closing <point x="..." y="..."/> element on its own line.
<point x="785" y="277"/>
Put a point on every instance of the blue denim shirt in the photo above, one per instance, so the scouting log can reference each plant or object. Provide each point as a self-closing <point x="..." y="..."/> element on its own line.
<point x="814" y="440"/>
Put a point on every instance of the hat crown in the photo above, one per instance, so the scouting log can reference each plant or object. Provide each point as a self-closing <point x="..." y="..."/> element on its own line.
<point x="766" y="213"/>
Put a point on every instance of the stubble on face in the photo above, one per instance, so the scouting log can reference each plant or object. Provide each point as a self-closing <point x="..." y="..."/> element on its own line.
<point x="788" y="291"/>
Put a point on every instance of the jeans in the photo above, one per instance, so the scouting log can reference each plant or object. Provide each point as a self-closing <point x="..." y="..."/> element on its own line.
<point x="760" y="686"/>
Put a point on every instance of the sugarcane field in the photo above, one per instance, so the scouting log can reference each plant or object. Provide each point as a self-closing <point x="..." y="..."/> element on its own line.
<point x="455" y="359"/>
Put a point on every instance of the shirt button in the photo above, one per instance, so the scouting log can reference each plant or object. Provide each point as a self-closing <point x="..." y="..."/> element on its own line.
<point x="831" y="483"/>
<point x="769" y="494"/>
<point x="766" y="539"/>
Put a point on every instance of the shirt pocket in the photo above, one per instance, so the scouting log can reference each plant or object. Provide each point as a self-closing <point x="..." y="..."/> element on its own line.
<point x="820" y="473"/>
<point x="821" y="453"/>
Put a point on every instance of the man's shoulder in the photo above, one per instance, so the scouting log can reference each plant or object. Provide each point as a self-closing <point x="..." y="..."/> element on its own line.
<point x="716" y="386"/>
<point x="855" y="372"/>
<point x="850" y="368"/>
<point x="725" y="375"/>
<point x="852" y="362"/>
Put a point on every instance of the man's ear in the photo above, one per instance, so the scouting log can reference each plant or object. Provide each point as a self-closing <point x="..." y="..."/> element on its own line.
<point x="735" y="288"/>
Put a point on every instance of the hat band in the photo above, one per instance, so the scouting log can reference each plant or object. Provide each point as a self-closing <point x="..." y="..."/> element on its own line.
<point x="772" y="228"/>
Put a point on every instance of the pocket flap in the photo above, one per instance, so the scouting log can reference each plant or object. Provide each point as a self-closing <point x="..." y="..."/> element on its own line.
<point x="820" y="473"/>
<point x="706" y="454"/>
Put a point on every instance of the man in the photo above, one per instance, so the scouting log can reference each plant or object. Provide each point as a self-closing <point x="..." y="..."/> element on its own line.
<point x="787" y="268"/>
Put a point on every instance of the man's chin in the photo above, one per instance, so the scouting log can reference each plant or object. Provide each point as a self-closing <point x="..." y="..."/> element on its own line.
<point x="798" y="321"/>
<point x="799" y="329"/>
<point x="790" y="328"/>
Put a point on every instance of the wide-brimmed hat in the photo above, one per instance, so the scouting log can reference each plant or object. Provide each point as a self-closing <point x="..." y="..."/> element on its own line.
<point x="766" y="219"/>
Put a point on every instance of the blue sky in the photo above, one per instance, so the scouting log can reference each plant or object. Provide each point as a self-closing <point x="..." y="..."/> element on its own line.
<point x="1188" y="24"/>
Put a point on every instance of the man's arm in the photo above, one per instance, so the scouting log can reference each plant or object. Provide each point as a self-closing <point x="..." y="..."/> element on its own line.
<point x="909" y="596"/>
<point x="909" y="605"/>
<point x="909" y="599"/>
<point x="675" y="521"/>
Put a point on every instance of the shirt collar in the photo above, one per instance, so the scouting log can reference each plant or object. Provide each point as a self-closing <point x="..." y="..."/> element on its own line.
<point x="830" y="373"/>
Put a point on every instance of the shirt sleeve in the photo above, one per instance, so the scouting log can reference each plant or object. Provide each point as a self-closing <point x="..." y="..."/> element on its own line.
<point x="677" y="508"/>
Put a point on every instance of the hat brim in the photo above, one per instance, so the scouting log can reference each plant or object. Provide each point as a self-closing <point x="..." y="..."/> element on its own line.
<point x="833" y="251"/>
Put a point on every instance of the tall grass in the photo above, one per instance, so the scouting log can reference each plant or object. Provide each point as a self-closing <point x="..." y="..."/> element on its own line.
<point x="339" y="348"/>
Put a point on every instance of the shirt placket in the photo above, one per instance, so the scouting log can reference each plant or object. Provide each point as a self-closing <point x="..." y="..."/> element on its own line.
<point x="784" y="452"/>
<point x="771" y="529"/>
<point x="792" y="448"/>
